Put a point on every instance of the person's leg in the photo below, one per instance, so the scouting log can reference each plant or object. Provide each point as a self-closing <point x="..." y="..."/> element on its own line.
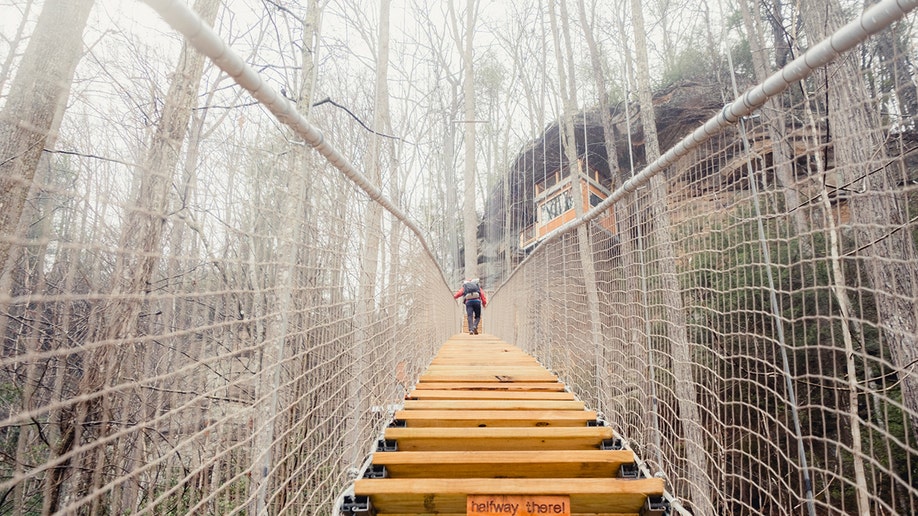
<point x="477" y="319"/>
<point x="470" y="313"/>
<point x="476" y="308"/>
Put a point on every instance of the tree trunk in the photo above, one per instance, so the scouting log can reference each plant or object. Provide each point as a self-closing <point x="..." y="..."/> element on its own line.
<point x="370" y="254"/>
<point x="584" y="242"/>
<point x="383" y="123"/>
<point x="892" y="50"/>
<point x="696" y="458"/>
<point x="878" y="206"/>
<point x="116" y="322"/>
<point x="451" y="194"/>
<point x="278" y="341"/>
<point x="7" y="68"/>
<point x="631" y="322"/>
<point x="469" y="213"/>
<point x="39" y="90"/>
<point x="774" y="119"/>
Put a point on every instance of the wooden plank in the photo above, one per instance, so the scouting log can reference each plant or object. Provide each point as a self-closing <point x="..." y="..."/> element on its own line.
<point x="485" y="343"/>
<point x="493" y="347"/>
<point x="489" y="418"/>
<point x="434" y="369"/>
<point x="449" y="494"/>
<point x="487" y="374"/>
<point x="466" y="355"/>
<point x="552" y="386"/>
<point x="432" y="394"/>
<point x="504" y="464"/>
<point x="491" y="350"/>
<point x="493" y="405"/>
<point x="498" y="438"/>
<point x="486" y="360"/>
<point x="480" y="348"/>
<point x="477" y="353"/>
<point x="464" y="514"/>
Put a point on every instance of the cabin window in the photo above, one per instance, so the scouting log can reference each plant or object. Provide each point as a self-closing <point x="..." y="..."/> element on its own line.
<point x="556" y="206"/>
<point x="594" y="200"/>
<point x="550" y="181"/>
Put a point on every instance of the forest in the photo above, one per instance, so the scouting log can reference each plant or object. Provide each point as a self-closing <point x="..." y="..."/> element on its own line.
<point x="199" y="313"/>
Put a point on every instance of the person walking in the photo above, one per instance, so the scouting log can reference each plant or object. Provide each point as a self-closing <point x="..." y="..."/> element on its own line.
<point x="474" y="298"/>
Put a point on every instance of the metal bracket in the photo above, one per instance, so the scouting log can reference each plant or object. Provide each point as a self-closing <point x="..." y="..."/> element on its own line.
<point x="398" y="423"/>
<point x="596" y="422"/>
<point x="386" y="445"/>
<point x="655" y="506"/>
<point x="376" y="471"/>
<point x="612" y="444"/>
<point x="629" y="470"/>
<point x="357" y="506"/>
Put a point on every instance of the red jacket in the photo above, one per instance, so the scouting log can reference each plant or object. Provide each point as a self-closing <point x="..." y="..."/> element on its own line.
<point x="461" y="292"/>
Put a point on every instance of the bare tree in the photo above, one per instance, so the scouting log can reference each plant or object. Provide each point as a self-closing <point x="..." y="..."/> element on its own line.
<point x="382" y="123"/>
<point x="776" y="123"/>
<point x="877" y="205"/>
<point x="294" y="268"/>
<point x="892" y="49"/>
<point x="630" y="320"/>
<point x="569" y="101"/>
<point x="690" y="418"/>
<point x="116" y="320"/>
<point x="13" y="43"/>
<point x="465" y="42"/>
<point x="38" y="94"/>
<point x="28" y="123"/>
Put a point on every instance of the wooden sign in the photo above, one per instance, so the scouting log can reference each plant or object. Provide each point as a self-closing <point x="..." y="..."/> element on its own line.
<point x="518" y="505"/>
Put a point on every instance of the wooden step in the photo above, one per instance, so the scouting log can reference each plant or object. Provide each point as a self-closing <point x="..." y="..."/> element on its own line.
<point x="477" y="353"/>
<point x="504" y="464"/>
<point x="459" y="394"/>
<point x="446" y="373"/>
<point x="549" y="386"/>
<point x="480" y="360"/>
<point x="481" y="346"/>
<point x="491" y="418"/>
<point x="464" y="338"/>
<point x="464" y="514"/>
<point x="493" y="405"/>
<point x="487" y="420"/>
<point x="435" y="495"/>
<point x="499" y="438"/>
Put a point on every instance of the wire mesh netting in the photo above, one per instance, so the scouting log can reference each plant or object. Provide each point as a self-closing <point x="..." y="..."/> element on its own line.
<point x="246" y="369"/>
<point x="236" y="367"/>
<point x="200" y="341"/>
<point x="750" y="325"/>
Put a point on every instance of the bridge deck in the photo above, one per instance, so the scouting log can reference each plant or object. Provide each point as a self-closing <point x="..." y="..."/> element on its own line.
<point x="487" y="420"/>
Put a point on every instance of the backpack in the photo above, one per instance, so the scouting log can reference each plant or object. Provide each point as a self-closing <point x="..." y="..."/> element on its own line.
<point x="471" y="290"/>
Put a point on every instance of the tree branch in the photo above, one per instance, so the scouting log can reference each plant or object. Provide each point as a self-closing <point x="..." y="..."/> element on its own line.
<point x="328" y="100"/>
<point x="92" y="156"/>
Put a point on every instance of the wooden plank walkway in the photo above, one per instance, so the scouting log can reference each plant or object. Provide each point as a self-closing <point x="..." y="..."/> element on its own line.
<point x="487" y="420"/>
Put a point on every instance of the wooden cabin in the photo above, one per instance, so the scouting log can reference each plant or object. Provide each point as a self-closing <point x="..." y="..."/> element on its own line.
<point x="554" y="200"/>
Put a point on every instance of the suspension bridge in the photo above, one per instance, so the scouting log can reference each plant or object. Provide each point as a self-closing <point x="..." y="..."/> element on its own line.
<point x="730" y="329"/>
<point x="454" y="450"/>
